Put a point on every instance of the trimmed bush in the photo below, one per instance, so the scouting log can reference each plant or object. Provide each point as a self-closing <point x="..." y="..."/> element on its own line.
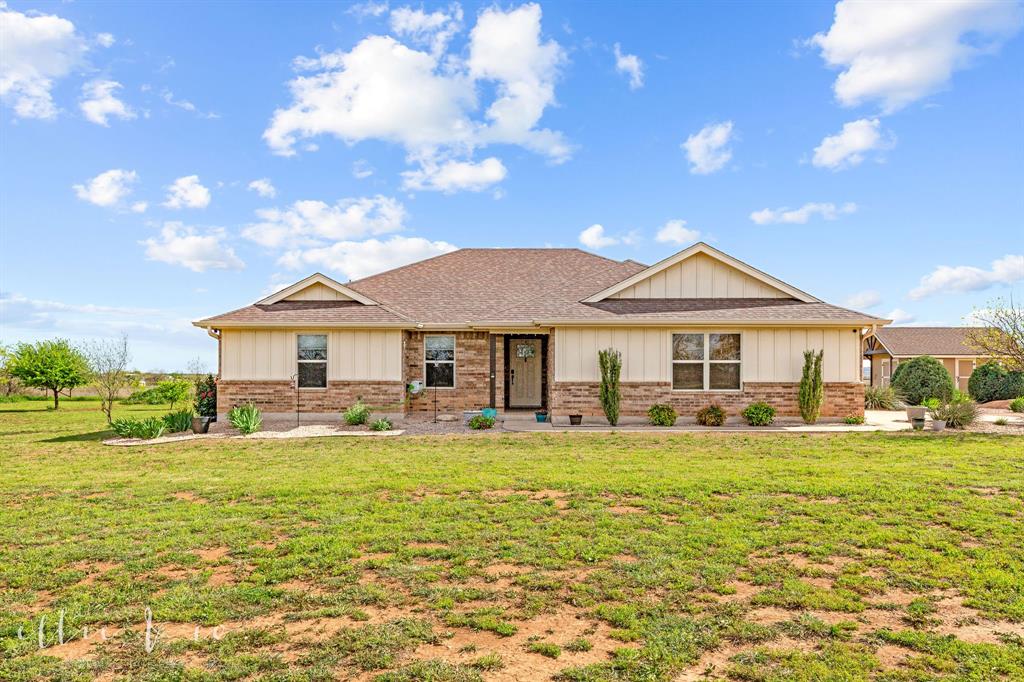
<point x="1017" y="405"/>
<point x="357" y="414"/>
<point x="246" y="418"/>
<point x="168" y="391"/>
<point x="481" y="422"/>
<point x="853" y="419"/>
<point x="610" y="362"/>
<point x="881" y="398"/>
<point x="759" y="414"/>
<point x="382" y="424"/>
<point x="812" y="387"/>
<point x="175" y="422"/>
<point x="921" y="378"/>
<point x="985" y="382"/>
<point x="712" y="415"/>
<point x="662" y="415"/>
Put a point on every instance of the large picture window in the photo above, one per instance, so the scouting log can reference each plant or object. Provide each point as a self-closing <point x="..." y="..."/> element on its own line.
<point x="439" y="361"/>
<point x="704" y="361"/>
<point x="312" y="360"/>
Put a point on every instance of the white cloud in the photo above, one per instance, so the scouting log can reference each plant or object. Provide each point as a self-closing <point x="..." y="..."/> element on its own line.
<point x="355" y="260"/>
<point x="187" y="192"/>
<point x="368" y="9"/>
<point x="105" y="39"/>
<point x="454" y="176"/>
<point x="900" y="316"/>
<point x="433" y="30"/>
<point x="707" y="149"/>
<point x="676" y="232"/>
<point x="799" y="216"/>
<point x="630" y="65"/>
<point x="185" y="105"/>
<point x="862" y="300"/>
<point x="427" y="102"/>
<point x="263" y="187"/>
<point x="897" y="52"/>
<point x="312" y="223"/>
<point x="183" y="245"/>
<point x="107" y="189"/>
<point x="848" y="147"/>
<point x="139" y="207"/>
<point x="594" y="237"/>
<point x="35" y="51"/>
<point x="965" y="278"/>
<point x="98" y="102"/>
<point x="361" y="169"/>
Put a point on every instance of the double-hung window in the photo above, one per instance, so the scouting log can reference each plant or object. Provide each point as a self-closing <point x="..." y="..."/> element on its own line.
<point x="439" y="361"/>
<point x="312" y="360"/>
<point x="705" y="361"/>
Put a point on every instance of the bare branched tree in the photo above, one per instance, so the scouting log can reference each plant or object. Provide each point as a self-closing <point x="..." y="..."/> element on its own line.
<point x="8" y="382"/>
<point x="1000" y="333"/>
<point x="109" y="362"/>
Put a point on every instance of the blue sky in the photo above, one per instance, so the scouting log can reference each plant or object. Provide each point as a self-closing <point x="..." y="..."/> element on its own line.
<point x="166" y="161"/>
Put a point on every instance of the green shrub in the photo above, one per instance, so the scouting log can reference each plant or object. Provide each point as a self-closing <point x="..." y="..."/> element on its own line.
<point x="853" y="419"/>
<point x="759" y="414"/>
<point x="357" y="414"/>
<point x="123" y="426"/>
<point x="881" y="398"/>
<point x="381" y="424"/>
<point x="176" y="422"/>
<point x="921" y="378"/>
<point x="1017" y="404"/>
<point x="138" y="428"/>
<point x="479" y="422"/>
<point x="712" y="415"/>
<point x="662" y="415"/>
<point x="246" y="418"/>
<point x="168" y="391"/>
<point x="957" y="414"/>
<point x="931" y="403"/>
<point x="812" y="387"/>
<point x="610" y="362"/>
<point x="991" y="381"/>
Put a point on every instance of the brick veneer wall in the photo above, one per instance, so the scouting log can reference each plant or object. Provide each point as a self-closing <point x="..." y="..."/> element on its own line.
<point x="279" y="396"/>
<point x="841" y="399"/>
<point x="472" y="372"/>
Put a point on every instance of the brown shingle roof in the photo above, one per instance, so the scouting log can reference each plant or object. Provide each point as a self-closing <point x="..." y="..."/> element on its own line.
<point x="940" y="341"/>
<point x="308" y="313"/>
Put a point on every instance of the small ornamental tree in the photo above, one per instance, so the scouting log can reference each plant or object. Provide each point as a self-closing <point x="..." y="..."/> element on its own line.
<point x="999" y="333"/>
<point x="921" y="378"/>
<point x="51" y="365"/>
<point x="812" y="388"/>
<point x="610" y="361"/>
<point x="109" y="363"/>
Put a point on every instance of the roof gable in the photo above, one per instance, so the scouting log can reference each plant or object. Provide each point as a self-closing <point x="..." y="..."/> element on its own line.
<point x="701" y="271"/>
<point x="317" y="287"/>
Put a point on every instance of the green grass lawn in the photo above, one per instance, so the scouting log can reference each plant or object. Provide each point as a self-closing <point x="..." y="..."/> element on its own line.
<point x="509" y="557"/>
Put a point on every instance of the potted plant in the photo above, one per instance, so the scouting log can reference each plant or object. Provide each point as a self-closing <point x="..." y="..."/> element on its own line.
<point x="205" y="404"/>
<point x="541" y="415"/>
<point x="916" y="413"/>
<point x="575" y="419"/>
<point x="938" y="424"/>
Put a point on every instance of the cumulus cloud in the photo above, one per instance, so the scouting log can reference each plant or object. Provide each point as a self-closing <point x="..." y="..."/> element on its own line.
<point x="357" y="259"/>
<point x="594" y="237"/>
<point x="139" y="207"/>
<point x="630" y="65"/>
<point x="368" y="9"/>
<point x="108" y="189"/>
<point x="897" y="52"/>
<point x="263" y="187"/>
<point x="708" y="150"/>
<point x="428" y="101"/>
<point x="361" y="169"/>
<point x="455" y="176"/>
<point x="99" y="102"/>
<point x="849" y="146"/>
<point x="900" y="316"/>
<point x="799" y="216"/>
<point x="676" y="232"/>
<point x="105" y="39"/>
<point x="313" y="223"/>
<point x="862" y="300"/>
<point x="433" y="30"/>
<point x="966" y="278"/>
<point x="36" y="50"/>
<point x="187" y="192"/>
<point x="183" y="245"/>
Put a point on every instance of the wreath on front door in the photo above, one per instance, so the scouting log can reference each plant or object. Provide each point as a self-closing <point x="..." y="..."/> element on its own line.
<point x="525" y="351"/>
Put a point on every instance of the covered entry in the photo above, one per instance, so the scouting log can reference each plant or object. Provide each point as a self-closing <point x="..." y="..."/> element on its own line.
<point x="526" y="371"/>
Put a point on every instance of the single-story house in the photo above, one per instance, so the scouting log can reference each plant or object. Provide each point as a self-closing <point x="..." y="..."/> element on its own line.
<point x="520" y="329"/>
<point x="888" y="346"/>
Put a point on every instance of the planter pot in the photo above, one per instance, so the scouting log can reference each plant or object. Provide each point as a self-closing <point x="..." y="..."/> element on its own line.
<point x="575" y="419"/>
<point x="201" y="424"/>
<point x="938" y="425"/>
<point x="489" y="412"/>
<point x="541" y="416"/>
<point x="916" y="413"/>
<point x="918" y="424"/>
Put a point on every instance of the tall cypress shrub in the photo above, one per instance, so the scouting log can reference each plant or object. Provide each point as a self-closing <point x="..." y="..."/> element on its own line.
<point x="610" y="361"/>
<point x="812" y="388"/>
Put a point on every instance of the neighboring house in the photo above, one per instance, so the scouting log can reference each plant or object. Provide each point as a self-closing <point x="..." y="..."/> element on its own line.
<point x="887" y="347"/>
<point x="521" y="329"/>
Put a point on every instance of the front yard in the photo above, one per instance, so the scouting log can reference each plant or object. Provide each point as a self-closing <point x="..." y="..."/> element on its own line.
<point x="509" y="557"/>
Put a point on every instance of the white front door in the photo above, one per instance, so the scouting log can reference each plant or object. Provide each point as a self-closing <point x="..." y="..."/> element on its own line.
<point x="525" y="367"/>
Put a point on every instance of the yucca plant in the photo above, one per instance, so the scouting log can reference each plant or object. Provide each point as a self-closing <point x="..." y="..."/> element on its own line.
<point x="246" y="418"/>
<point x="881" y="398"/>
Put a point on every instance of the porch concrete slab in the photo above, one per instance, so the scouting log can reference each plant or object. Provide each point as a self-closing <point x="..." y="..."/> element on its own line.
<point x="873" y="421"/>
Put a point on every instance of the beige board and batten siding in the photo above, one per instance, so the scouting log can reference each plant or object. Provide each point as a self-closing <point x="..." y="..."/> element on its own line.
<point x="318" y="292"/>
<point x="767" y="354"/>
<point x="700" y="276"/>
<point x="271" y="355"/>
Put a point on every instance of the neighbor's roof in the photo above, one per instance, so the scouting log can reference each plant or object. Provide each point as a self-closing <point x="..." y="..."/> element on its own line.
<point x="938" y="341"/>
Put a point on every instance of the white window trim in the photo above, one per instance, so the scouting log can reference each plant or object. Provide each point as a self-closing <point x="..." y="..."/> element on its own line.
<point x="455" y="354"/>
<point x="326" y="362"/>
<point x="706" y="362"/>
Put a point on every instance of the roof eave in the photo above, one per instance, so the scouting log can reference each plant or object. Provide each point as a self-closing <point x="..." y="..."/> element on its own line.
<point x="690" y="322"/>
<point x="214" y="324"/>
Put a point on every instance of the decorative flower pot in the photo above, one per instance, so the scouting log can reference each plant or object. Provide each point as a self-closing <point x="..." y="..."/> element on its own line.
<point x="201" y="424"/>
<point x="575" y="419"/>
<point x="938" y="425"/>
<point x="916" y="413"/>
<point x="918" y="424"/>
<point x="541" y="416"/>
